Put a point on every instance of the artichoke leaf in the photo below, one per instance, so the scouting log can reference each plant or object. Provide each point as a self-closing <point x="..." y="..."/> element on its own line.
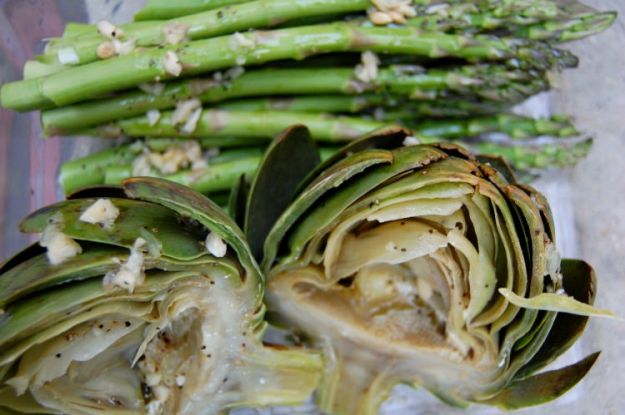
<point x="178" y="241"/>
<point x="544" y="387"/>
<point x="287" y="161"/>
<point x="560" y="303"/>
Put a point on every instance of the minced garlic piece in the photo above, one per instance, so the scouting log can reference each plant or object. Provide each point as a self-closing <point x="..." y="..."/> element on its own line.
<point x="215" y="245"/>
<point x="391" y="11"/>
<point x="109" y="30"/>
<point x="187" y="154"/>
<point x="153" y="116"/>
<point x="172" y="64"/>
<point x="180" y="380"/>
<point x="175" y="33"/>
<point x="141" y="166"/>
<point x="130" y="274"/>
<point x="367" y="70"/>
<point x="184" y="109"/>
<point x="105" y="50"/>
<point x="60" y="247"/>
<point x="102" y="212"/>
<point x="123" y="48"/>
<point x="410" y="141"/>
<point x="191" y="123"/>
<point x="68" y="56"/>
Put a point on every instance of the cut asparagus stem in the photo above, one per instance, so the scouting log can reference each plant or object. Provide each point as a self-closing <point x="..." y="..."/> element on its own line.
<point x="167" y="9"/>
<point x="492" y="82"/>
<point x="225" y="20"/>
<point x="88" y="81"/>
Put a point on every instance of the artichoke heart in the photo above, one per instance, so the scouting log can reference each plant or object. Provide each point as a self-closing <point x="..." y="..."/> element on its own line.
<point x="146" y="319"/>
<point x="394" y="258"/>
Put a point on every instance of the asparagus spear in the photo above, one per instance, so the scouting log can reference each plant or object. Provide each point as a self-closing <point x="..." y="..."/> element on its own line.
<point x="98" y="78"/>
<point x="512" y="126"/>
<point x="386" y="107"/>
<point x="492" y="82"/>
<point x="216" y="22"/>
<point x="527" y="158"/>
<point x="222" y="173"/>
<point x="327" y="128"/>
<point x="167" y="9"/>
<point x="568" y="30"/>
<point x="259" y="124"/>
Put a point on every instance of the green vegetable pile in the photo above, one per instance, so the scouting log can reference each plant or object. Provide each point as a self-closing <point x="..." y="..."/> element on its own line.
<point x="235" y="73"/>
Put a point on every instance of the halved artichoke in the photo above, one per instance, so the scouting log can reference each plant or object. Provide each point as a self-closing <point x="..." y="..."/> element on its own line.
<point x="424" y="265"/>
<point x="149" y="318"/>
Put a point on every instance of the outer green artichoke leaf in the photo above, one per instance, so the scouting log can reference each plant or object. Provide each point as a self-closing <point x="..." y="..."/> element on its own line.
<point x="396" y="272"/>
<point x="289" y="158"/>
<point x="178" y="240"/>
<point x="499" y="164"/>
<point x="385" y="138"/>
<point x="327" y="180"/>
<point x="185" y="338"/>
<point x="544" y="387"/>
<point x="36" y="273"/>
<point x="580" y="282"/>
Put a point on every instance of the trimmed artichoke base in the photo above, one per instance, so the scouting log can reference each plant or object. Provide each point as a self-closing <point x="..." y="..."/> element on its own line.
<point x="183" y="354"/>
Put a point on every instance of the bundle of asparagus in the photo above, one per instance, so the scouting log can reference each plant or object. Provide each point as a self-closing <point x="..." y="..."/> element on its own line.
<point x="232" y="73"/>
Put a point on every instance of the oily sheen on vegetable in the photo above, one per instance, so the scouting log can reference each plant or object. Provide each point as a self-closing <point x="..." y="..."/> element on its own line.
<point x="423" y="265"/>
<point x="146" y="301"/>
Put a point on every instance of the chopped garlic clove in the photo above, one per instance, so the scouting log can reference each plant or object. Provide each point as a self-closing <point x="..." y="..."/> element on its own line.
<point x="175" y="33"/>
<point x="60" y="247"/>
<point x="153" y="116"/>
<point x="109" y="30"/>
<point x="102" y="212"/>
<point x="388" y="11"/>
<point x="130" y="274"/>
<point x="215" y="245"/>
<point x="105" y="50"/>
<point x="68" y="56"/>
<point x="123" y="48"/>
<point x="367" y="70"/>
<point x="379" y="18"/>
<point x="172" y="64"/>
<point x="184" y="109"/>
<point x="191" y="124"/>
<point x="410" y="141"/>
<point x="141" y="166"/>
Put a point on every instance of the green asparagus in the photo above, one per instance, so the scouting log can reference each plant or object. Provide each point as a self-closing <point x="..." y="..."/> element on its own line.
<point x="89" y="81"/>
<point x="492" y="82"/>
